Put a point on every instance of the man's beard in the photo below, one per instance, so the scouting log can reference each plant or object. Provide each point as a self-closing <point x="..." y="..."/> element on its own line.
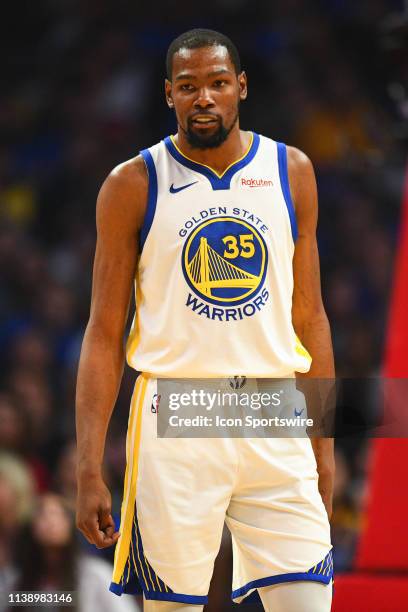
<point x="212" y="141"/>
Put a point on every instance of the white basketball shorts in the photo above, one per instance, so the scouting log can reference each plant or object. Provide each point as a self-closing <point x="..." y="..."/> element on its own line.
<point x="179" y="492"/>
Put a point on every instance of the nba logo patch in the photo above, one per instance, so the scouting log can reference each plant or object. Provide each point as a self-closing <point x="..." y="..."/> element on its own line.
<point x="155" y="403"/>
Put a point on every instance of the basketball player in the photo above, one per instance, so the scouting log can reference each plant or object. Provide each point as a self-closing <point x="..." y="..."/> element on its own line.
<point x="248" y="205"/>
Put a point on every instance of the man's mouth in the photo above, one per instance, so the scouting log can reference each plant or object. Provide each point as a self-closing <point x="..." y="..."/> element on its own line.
<point x="204" y="120"/>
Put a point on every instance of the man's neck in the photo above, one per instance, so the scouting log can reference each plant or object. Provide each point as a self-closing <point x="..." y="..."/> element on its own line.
<point x="218" y="158"/>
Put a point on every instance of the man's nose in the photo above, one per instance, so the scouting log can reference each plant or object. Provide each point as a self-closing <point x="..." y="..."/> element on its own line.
<point x="204" y="99"/>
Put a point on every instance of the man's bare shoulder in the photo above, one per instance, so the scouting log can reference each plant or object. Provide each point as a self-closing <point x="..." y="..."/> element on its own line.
<point x="129" y="175"/>
<point x="302" y="181"/>
<point x="125" y="190"/>
<point x="298" y="161"/>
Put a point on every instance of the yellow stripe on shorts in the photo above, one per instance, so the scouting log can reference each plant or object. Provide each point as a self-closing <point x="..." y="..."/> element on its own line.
<point x="129" y="493"/>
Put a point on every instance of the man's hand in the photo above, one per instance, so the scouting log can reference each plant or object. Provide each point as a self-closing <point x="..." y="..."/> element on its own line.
<point x="94" y="518"/>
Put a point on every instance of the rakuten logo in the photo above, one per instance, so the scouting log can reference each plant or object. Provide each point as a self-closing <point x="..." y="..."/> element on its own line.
<point x="250" y="182"/>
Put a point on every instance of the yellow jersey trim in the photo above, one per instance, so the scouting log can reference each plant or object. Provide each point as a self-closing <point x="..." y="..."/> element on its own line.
<point x="134" y="336"/>
<point x="209" y="167"/>
<point x="300" y="349"/>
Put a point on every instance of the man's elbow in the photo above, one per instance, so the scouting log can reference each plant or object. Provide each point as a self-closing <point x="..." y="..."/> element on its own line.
<point x="104" y="335"/>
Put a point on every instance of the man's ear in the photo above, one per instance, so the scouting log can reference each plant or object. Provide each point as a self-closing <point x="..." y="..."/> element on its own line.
<point x="167" y="89"/>
<point x="243" y="85"/>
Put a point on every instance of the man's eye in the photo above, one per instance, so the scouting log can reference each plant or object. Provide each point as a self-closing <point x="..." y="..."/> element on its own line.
<point x="219" y="83"/>
<point x="186" y="87"/>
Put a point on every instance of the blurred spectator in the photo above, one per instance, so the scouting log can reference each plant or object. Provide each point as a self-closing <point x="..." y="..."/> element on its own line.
<point x="31" y="352"/>
<point x="14" y="427"/>
<point x="65" y="474"/>
<point x="16" y="500"/>
<point x="34" y="395"/>
<point x="333" y="131"/>
<point x="17" y="435"/>
<point x="345" y="520"/>
<point x="49" y="561"/>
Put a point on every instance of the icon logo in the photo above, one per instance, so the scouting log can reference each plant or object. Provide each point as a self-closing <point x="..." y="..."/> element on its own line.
<point x="224" y="261"/>
<point x="298" y="412"/>
<point x="174" y="189"/>
<point x="237" y="382"/>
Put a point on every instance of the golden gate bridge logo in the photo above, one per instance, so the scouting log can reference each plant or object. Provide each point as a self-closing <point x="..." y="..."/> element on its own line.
<point x="209" y="270"/>
<point x="232" y="267"/>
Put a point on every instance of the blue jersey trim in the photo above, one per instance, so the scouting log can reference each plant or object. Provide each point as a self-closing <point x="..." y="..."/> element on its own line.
<point x="321" y="572"/>
<point x="284" y="179"/>
<point x="270" y="580"/>
<point x="118" y="589"/>
<point x="138" y="575"/>
<point x="141" y="569"/>
<point x="217" y="182"/>
<point x="151" y="198"/>
<point x="180" y="597"/>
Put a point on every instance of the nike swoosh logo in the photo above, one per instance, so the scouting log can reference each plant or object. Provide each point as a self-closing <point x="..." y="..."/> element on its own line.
<point x="177" y="189"/>
<point x="297" y="414"/>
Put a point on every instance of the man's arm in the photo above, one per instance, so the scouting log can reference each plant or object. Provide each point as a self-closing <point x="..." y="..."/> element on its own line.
<point x="119" y="214"/>
<point x="308" y="314"/>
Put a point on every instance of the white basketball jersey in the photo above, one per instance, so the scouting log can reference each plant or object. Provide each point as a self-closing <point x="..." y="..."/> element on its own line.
<point x="214" y="282"/>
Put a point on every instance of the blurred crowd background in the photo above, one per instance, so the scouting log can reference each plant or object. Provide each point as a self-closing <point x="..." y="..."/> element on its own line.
<point x="82" y="90"/>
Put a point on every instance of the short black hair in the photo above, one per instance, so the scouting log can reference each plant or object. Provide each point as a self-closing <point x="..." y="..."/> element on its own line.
<point x="197" y="39"/>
